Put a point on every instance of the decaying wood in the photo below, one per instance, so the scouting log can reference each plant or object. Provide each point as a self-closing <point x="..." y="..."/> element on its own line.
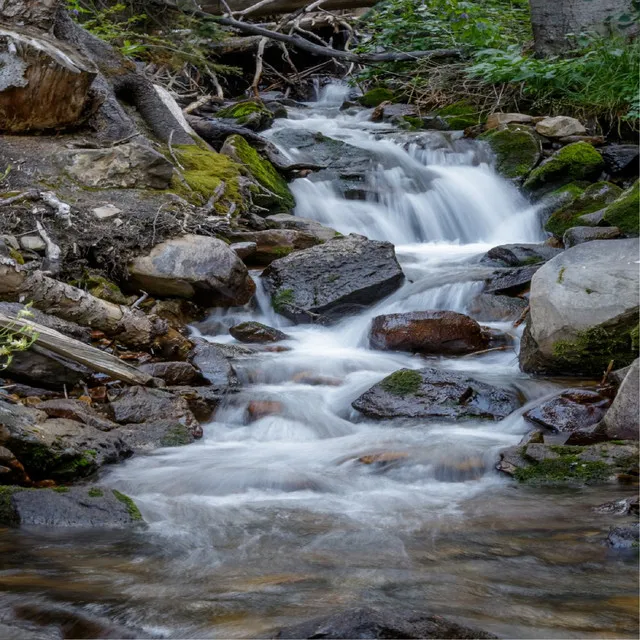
<point x="53" y="261"/>
<point x="522" y="317"/>
<point x="276" y="7"/>
<point x="79" y="352"/>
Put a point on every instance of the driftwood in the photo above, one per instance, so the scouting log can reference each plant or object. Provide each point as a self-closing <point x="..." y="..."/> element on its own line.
<point x="79" y="352"/>
<point x="276" y="7"/>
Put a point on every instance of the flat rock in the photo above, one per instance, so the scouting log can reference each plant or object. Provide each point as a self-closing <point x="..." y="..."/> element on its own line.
<point x="272" y="244"/>
<point x="435" y="394"/>
<point x="256" y="332"/>
<point x="621" y="160"/>
<point x="333" y="279"/>
<point x="489" y="307"/>
<point x="510" y="281"/>
<point x="243" y="249"/>
<point x="312" y="227"/>
<point x="173" y="373"/>
<point x="496" y="120"/>
<point x="75" y="410"/>
<point x="560" y="127"/>
<point x="212" y="360"/>
<point x="578" y="235"/>
<point x="520" y="255"/>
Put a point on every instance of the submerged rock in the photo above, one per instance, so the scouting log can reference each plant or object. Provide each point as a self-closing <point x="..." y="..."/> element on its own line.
<point x="256" y="332"/>
<point x="332" y="279"/>
<point x="625" y="537"/>
<point x="435" y="394"/>
<point x="622" y="507"/>
<point x="584" y="310"/>
<point x="433" y="332"/>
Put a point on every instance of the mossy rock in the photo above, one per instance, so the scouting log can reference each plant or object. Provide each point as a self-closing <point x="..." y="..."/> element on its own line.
<point x="249" y="113"/>
<point x="104" y="289"/>
<point x="517" y="150"/>
<point x="624" y="212"/>
<point x="575" y="162"/>
<point x="277" y="197"/>
<point x="377" y="96"/>
<point x="203" y="172"/>
<point x="402" y="383"/>
<point x="460" y="115"/>
<point x="593" y="198"/>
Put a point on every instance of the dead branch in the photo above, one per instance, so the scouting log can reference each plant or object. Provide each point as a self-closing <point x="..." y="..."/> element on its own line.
<point x="53" y="261"/>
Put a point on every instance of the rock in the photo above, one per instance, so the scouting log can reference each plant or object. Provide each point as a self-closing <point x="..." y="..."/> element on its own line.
<point x="33" y="243"/>
<point x="243" y="249"/>
<point x="434" y="394"/>
<point x="578" y="235"/>
<point x="621" y="421"/>
<point x="510" y="281"/>
<point x="275" y="194"/>
<point x="126" y="166"/>
<point x="577" y="161"/>
<point x="256" y="332"/>
<point x="251" y="114"/>
<point x="173" y="373"/>
<point x="516" y="149"/>
<point x="560" y="127"/>
<point x="311" y="227"/>
<point x="496" y="120"/>
<point x="625" y="537"/>
<point x="520" y="255"/>
<point x="106" y="212"/>
<point x="621" y="160"/>
<point x="262" y="408"/>
<point x="159" y="432"/>
<point x="194" y="267"/>
<point x="595" y="197"/>
<point x="75" y="410"/>
<point x="399" y="622"/>
<point x="460" y="115"/>
<point x="572" y="409"/>
<point x="617" y="377"/>
<point x="623" y="213"/>
<point x="202" y="401"/>
<point x="622" y="507"/>
<point x="11" y="470"/>
<point x="488" y="307"/>
<point x="584" y="310"/>
<point x="213" y="363"/>
<point x="308" y="377"/>
<point x="274" y="243"/>
<point x="562" y="464"/>
<point x="430" y="332"/>
<point x="86" y="507"/>
<point x="332" y="279"/>
<point x="376" y="96"/>
<point x="594" y="219"/>
<point x="58" y="449"/>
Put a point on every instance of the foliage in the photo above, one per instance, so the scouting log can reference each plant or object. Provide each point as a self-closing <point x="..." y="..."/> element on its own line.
<point x="15" y="338"/>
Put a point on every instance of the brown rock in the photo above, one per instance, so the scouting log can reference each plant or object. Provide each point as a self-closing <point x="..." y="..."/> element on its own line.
<point x="76" y="410"/>
<point x="256" y="332"/>
<point x="173" y="373"/>
<point x="307" y="377"/>
<point x="383" y="459"/>
<point x="262" y="408"/>
<point x="274" y="243"/>
<point x="437" y="332"/>
<point x="496" y="120"/>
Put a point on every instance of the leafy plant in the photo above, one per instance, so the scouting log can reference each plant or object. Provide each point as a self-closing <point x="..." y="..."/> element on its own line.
<point x="16" y="337"/>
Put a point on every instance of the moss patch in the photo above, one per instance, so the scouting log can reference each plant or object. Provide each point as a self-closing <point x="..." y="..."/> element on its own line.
<point x="281" y="299"/>
<point x="402" y="383"/>
<point x="94" y="492"/>
<point x="376" y="96"/>
<point x="516" y="149"/>
<point x="133" y="510"/>
<point x="177" y="436"/>
<point x="8" y="515"/>
<point x="460" y="115"/>
<point x="566" y="467"/>
<point x="594" y="198"/>
<point x="575" y="162"/>
<point x="247" y="112"/>
<point x="624" y="213"/>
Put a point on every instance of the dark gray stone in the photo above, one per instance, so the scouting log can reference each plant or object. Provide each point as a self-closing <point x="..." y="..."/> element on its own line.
<point x="40" y="366"/>
<point x="488" y="307"/>
<point x="520" y="255"/>
<point x="510" y="281"/>
<point x="578" y="235"/>
<point x="173" y="373"/>
<point x="625" y="537"/>
<point x="621" y="160"/>
<point x="212" y="360"/>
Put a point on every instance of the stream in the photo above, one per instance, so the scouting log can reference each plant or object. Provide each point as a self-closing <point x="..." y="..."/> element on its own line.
<point x="262" y="525"/>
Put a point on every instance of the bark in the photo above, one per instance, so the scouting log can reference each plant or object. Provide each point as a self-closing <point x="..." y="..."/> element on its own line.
<point x="552" y="20"/>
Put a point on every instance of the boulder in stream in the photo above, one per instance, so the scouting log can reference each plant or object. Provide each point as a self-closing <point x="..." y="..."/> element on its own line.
<point x="520" y="255"/>
<point x="256" y="332"/>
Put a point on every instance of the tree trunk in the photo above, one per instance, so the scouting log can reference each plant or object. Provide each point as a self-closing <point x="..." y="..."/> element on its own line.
<point x="552" y="20"/>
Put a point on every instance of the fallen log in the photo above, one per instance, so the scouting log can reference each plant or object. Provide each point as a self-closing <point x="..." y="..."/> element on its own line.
<point x="277" y="7"/>
<point x="77" y="351"/>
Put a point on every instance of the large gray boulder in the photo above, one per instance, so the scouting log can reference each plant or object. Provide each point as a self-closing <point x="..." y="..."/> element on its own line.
<point x="194" y="267"/>
<point x="621" y="421"/>
<point x="584" y="310"/>
<point x="333" y="279"/>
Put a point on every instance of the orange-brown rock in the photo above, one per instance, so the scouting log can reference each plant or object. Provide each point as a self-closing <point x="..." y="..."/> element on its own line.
<point x="431" y="332"/>
<point x="384" y="459"/>
<point x="262" y="408"/>
<point x="307" y="377"/>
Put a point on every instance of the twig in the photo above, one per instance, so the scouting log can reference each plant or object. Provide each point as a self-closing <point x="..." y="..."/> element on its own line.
<point x="258" y="74"/>
<point x="479" y="353"/>
<point x="32" y="194"/>
<point x="140" y="300"/>
<point x="606" y="373"/>
<point x="52" y="261"/>
<point x="63" y="210"/>
<point x="523" y="315"/>
<point x="200" y="102"/>
<point x="126" y="139"/>
<point x="173" y="155"/>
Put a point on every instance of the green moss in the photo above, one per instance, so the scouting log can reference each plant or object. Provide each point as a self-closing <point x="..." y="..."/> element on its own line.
<point x="282" y="299"/>
<point x="460" y="115"/>
<point x="402" y="383"/>
<point x="281" y="252"/>
<point x="593" y="349"/>
<point x="573" y="190"/>
<point x="203" y="172"/>
<point x="564" y="468"/>
<point x="177" y="436"/>
<point x="624" y="213"/>
<point x="16" y="255"/>
<point x="61" y="489"/>
<point x="102" y="288"/>
<point x="133" y="510"/>
<point x="246" y="112"/>
<point x="594" y="198"/>
<point x="279" y="197"/>
<point x="517" y="151"/>
<point x="376" y="96"/>
<point x="8" y="515"/>
<point x="577" y="161"/>
<point x="94" y="492"/>
<point x="560" y="278"/>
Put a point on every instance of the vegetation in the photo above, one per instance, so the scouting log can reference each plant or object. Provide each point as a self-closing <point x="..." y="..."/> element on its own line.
<point x="402" y="383"/>
<point x="132" y="508"/>
<point x="15" y="338"/>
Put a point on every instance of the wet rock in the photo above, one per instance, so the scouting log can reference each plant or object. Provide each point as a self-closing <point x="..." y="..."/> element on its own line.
<point x="622" y="507"/>
<point x="311" y="227"/>
<point x="251" y="114"/>
<point x="160" y="432"/>
<point x="434" y="394"/>
<point x="621" y="160"/>
<point x="59" y="449"/>
<point x="194" y="267"/>
<point x="510" y="281"/>
<point x="572" y="409"/>
<point x="621" y="421"/>
<point x="125" y="166"/>
<point x="578" y="235"/>
<point x="11" y="469"/>
<point x="584" y="310"/>
<point x="623" y="212"/>
<point x="625" y="537"/>
<point x="202" y="401"/>
<point x="516" y="148"/>
<point x="212" y="360"/>
<point x="333" y="279"/>
<point x="460" y="469"/>
<point x="256" y="332"/>
<point x="243" y="249"/>
<point x="173" y="373"/>
<point x="616" y="377"/>
<point x="496" y="120"/>
<point x="75" y="410"/>
<point x="262" y="408"/>
<point x="488" y="307"/>
<point x="308" y="377"/>
<point x="520" y="255"/>
<point x="274" y="243"/>
<point x="431" y="332"/>
<point x="86" y="506"/>
<point x="560" y="127"/>
<point x="563" y="464"/>
<point x="365" y="622"/>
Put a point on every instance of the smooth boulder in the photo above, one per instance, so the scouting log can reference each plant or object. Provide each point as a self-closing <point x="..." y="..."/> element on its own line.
<point x="578" y="235"/>
<point x="520" y="255"/>
<point x="584" y="310"/>
<point x="435" y="394"/>
<point x="621" y="421"/>
<point x="430" y="332"/>
<point x="331" y="280"/>
<point x="488" y="307"/>
<point x="194" y="267"/>
<point x="560" y="127"/>
<point x="256" y="332"/>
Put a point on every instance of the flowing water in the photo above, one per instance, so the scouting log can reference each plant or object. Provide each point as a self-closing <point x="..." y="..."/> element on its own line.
<point x="262" y="525"/>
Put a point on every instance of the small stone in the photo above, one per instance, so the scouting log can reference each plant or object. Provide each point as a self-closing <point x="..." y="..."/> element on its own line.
<point x="10" y="241"/>
<point x="33" y="243"/>
<point x="383" y="459"/>
<point x="560" y="127"/>
<point x="105" y="212"/>
<point x="496" y="120"/>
